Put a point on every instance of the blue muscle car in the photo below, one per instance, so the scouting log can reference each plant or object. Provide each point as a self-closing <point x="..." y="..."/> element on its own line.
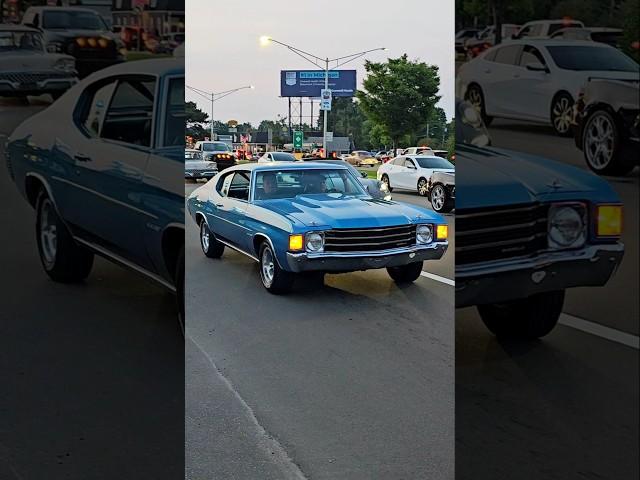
<point x="527" y="228"/>
<point x="103" y="169"/>
<point x="298" y="217"/>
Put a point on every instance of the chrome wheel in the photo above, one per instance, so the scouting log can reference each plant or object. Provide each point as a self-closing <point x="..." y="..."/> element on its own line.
<point x="562" y="114"/>
<point x="267" y="267"/>
<point x="474" y="97"/>
<point x="422" y="187"/>
<point x="48" y="232"/>
<point x="437" y="198"/>
<point x="599" y="140"/>
<point x="204" y="236"/>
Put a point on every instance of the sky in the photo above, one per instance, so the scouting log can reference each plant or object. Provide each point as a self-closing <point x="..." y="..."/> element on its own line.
<point x="223" y="50"/>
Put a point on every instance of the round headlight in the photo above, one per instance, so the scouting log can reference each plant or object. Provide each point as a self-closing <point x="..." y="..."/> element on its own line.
<point x="315" y="242"/>
<point x="566" y="228"/>
<point x="424" y="234"/>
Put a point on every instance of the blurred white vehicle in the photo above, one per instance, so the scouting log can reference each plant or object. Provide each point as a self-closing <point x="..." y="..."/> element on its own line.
<point x="271" y="157"/>
<point x="539" y="79"/>
<point x="412" y="172"/>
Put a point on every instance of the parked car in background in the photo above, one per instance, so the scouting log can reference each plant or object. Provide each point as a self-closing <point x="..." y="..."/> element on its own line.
<point x="99" y="178"/>
<point x="608" y="125"/>
<point x="375" y="188"/>
<point x="219" y="152"/>
<point x="417" y="151"/>
<point x="487" y="39"/>
<point x="441" y="191"/>
<point x="195" y="167"/>
<point x="312" y="217"/>
<point x="441" y="153"/>
<point x="545" y="28"/>
<point x="271" y="157"/>
<point x="610" y="36"/>
<point x="539" y="80"/>
<point x="79" y="32"/>
<point x="412" y="172"/>
<point x="462" y="36"/>
<point x="361" y="158"/>
<point x="544" y="227"/>
<point x="28" y="69"/>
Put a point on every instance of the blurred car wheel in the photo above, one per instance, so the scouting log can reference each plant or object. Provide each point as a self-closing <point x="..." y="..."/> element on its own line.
<point x="211" y="247"/>
<point x="601" y="145"/>
<point x="423" y="189"/>
<point x="406" y="273"/>
<point x="562" y="114"/>
<point x="274" y="279"/>
<point x="475" y="97"/>
<point x="385" y="180"/>
<point x="440" y="200"/>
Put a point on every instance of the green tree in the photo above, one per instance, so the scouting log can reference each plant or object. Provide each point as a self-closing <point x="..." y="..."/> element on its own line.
<point x="399" y="95"/>
<point x="631" y="28"/>
<point x="194" y="114"/>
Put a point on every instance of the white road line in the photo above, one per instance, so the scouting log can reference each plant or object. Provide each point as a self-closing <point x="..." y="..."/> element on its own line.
<point x="608" y="333"/>
<point x="438" y="278"/>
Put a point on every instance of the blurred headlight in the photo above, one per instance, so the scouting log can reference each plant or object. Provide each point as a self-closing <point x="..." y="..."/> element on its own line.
<point x="65" y="65"/>
<point x="609" y="221"/>
<point x="55" y="47"/>
<point x="92" y="42"/>
<point x="315" y="242"/>
<point x="424" y="234"/>
<point x="567" y="226"/>
<point x="103" y="42"/>
<point x="81" y="41"/>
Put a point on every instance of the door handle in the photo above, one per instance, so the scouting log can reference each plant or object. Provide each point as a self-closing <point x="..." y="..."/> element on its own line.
<point x="81" y="157"/>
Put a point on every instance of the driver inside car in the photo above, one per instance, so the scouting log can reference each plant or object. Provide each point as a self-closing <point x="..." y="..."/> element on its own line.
<point x="314" y="183"/>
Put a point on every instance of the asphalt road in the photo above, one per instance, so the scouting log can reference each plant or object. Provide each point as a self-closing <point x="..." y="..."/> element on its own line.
<point x="92" y="375"/>
<point x="351" y="380"/>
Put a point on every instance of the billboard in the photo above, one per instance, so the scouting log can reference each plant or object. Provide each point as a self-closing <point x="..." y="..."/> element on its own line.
<point x="309" y="83"/>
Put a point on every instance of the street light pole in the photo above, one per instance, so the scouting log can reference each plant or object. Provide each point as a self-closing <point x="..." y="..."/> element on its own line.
<point x="317" y="61"/>
<point x="212" y="98"/>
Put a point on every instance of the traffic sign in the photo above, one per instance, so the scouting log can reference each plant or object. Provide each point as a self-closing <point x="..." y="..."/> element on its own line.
<point x="329" y="136"/>
<point x="325" y="99"/>
<point x="297" y="139"/>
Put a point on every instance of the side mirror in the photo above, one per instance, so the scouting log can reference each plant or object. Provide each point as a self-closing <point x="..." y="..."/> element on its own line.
<point x="412" y="167"/>
<point x="536" y="67"/>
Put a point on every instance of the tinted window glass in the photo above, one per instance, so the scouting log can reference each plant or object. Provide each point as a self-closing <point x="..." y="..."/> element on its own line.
<point x="291" y="183"/>
<point x="409" y="163"/>
<point x="434" y="162"/>
<point x="175" y="121"/>
<point x="592" y="58"/>
<point x="67" y="20"/>
<point x="97" y="108"/>
<point x="130" y="115"/>
<point x="215" y="147"/>
<point x="239" y="187"/>
<point x="508" y="55"/>
<point x="531" y="55"/>
<point x="224" y="184"/>
<point x="554" y="27"/>
<point x="283" y="157"/>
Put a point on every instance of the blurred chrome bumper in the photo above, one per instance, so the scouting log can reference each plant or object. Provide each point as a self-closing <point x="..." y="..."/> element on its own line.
<point x="354" y="261"/>
<point x="496" y="282"/>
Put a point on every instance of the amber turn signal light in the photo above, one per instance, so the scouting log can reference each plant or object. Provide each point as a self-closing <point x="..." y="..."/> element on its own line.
<point x="442" y="232"/>
<point x="609" y="221"/>
<point x="296" y="243"/>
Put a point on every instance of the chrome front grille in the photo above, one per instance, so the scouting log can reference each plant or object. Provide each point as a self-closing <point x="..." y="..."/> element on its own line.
<point x="31" y="77"/>
<point x="500" y="233"/>
<point x="369" y="239"/>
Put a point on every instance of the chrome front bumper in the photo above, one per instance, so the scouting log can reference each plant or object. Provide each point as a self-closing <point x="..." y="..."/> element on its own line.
<point x="354" y="261"/>
<point x="502" y="281"/>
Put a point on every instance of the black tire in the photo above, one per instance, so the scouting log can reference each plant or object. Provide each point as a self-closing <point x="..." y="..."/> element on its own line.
<point x="562" y="114"/>
<point x="179" y="282"/>
<point x="406" y="273"/>
<point x="525" y="319"/>
<point x="211" y="247"/>
<point x="274" y="279"/>
<point x="63" y="259"/>
<point x="441" y="202"/>
<point x="423" y="187"/>
<point x="604" y="156"/>
<point x="475" y="97"/>
<point x="385" y="179"/>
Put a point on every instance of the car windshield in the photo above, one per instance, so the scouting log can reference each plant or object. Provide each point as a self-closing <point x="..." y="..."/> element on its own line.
<point x="283" y="157"/>
<point x="434" y="162"/>
<point x="337" y="183"/>
<point x="20" y="41"/>
<point x="72" y="20"/>
<point x="592" y="58"/>
<point x="215" y="147"/>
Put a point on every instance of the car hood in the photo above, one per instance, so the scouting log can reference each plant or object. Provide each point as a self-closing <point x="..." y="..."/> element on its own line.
<point x="198" y="164"/>
<point x="25" y="61"/>
<point x="494" y="177"/>
<point x="332" y="211"/>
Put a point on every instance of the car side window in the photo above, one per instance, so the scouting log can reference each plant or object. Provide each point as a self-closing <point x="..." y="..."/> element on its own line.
<point x="531" y="55"/>
<point x="96" y="109"/>
<point x="491" y="55"/>
<point x="175" y="121"/>
<point x="129" y="117"/>
<point x="239" y="187"/>
<point x="409" y="163"/>
<point x="508" y="54"/>
<point x="224" y="184"/>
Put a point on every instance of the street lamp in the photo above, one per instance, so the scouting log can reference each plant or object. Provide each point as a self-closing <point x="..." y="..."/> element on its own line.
<point x="214" y="97"/>
<point x="266" y="40"/>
